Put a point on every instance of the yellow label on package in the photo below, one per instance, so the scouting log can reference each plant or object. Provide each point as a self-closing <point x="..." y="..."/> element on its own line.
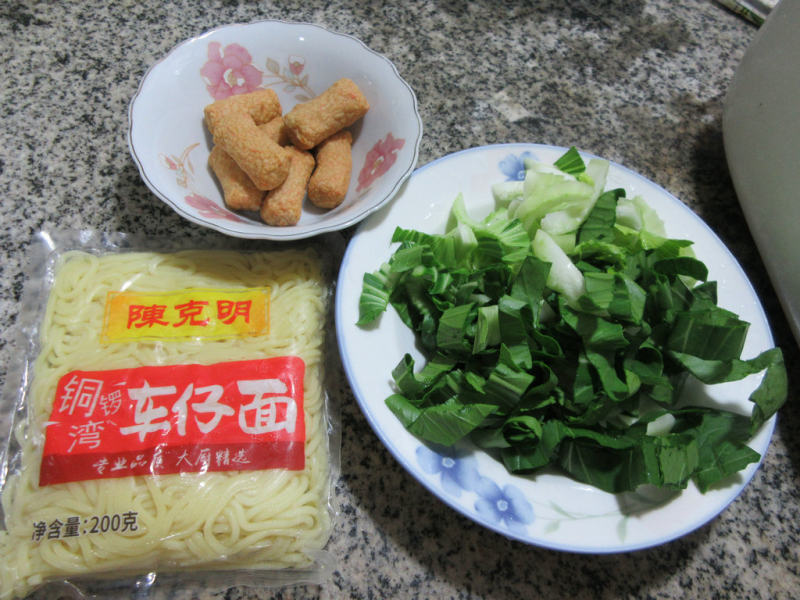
<point x="190" y="313"/>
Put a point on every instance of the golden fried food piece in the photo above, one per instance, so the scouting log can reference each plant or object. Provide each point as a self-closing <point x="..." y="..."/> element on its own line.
<point x="264" y="161"/>
<point x="237" y="188"/>
<point x="328" y="185"/>
<point x="261" y="105"/>
<point x="338" y="107"/>
<point x="276" y="130"/>
<point x="282" y="206"/>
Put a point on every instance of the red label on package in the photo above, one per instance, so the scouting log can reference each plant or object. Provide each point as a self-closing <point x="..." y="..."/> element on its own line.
<point x="231" y="416"/>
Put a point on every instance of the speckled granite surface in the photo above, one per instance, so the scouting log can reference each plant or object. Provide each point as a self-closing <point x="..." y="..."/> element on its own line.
<point x="639" y="82"/>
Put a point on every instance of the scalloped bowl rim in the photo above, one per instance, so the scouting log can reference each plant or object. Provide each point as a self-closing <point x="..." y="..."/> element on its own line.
<point x="277" y="233"/>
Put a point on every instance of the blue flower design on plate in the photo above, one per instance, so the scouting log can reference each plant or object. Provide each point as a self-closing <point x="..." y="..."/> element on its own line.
<point x="459" y="473"/>
<point x="507" y="505"/>
<point x="513" y="167"/>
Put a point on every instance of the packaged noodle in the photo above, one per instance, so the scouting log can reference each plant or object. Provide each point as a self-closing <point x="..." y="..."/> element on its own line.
<point x="174" y="417"/>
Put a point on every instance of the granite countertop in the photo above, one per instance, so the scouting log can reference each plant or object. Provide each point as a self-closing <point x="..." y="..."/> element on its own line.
<point x="639" y="82"/>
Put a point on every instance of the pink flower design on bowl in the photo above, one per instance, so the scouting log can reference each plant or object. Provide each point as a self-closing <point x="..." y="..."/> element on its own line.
<point x="379" y="160"/>
<point x="229" y="71"/>
<point x="296" y="64"/>
<point x="208" y="209"/>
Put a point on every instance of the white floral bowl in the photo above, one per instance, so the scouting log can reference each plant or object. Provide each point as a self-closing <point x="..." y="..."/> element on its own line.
<point x="170" y="144"/>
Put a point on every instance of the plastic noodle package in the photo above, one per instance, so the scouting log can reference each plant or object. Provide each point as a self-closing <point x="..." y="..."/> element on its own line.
<point x="173" y="415"/>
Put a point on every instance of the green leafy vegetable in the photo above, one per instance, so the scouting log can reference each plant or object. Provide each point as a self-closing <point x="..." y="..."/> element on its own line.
<point x="559" y="330"/>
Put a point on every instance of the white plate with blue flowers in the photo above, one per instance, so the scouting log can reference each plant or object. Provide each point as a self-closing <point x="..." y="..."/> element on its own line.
<point x="549" y="509"/>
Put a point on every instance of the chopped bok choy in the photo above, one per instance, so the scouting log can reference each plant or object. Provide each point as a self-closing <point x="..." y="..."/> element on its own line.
<point x="558" y="331"/>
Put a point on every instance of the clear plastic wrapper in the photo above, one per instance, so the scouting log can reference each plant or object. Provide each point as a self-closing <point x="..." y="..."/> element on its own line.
<point x="170" y="416"/>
